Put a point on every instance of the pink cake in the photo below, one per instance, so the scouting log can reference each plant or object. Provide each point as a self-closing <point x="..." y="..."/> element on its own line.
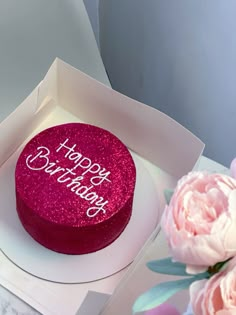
<point x="74" y="188"/>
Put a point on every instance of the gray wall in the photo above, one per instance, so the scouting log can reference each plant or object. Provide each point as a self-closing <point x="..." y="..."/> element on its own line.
<point x="180" y="57"/>
<point x="93" y="13"/>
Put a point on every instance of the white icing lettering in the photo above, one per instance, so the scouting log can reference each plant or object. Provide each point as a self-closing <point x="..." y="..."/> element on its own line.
<point x="75" y="182"/>
<point x="42" y="155"/>
<point x="86" y="160"/>
<point x="83" y="193"/>
<point x="93" y="211"/>
<point x="62" y="179"/>
<point x="48" y="169"/>
<point x="92" y="197"/>
<point x="97" y="180"/>
<point x="69" y="149"/>
<point x="94" y="168"/>
<point x="58" y="169"/>
<point x="75" y="156"/>
<point x="94" y="171"/>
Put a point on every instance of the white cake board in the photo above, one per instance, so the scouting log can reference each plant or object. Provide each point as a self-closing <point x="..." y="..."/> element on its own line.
<point x="32" y="257"/>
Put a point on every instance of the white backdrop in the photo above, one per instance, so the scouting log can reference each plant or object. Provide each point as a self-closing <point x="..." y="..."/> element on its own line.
<point x="32" y="35"/>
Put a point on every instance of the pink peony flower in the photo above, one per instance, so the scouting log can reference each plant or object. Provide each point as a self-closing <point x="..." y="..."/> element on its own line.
<point x="200" y="221"/>
<point x="216" y="296"/>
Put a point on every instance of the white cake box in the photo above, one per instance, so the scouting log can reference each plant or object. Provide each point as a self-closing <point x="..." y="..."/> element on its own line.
<point x="162" y="149"/>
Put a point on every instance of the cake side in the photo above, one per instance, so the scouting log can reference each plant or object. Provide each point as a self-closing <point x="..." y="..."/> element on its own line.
<point x="74" y="182"/>
<point x="73" y="240"/>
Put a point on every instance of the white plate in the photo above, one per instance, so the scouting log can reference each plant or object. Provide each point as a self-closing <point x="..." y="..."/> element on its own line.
<point x="32" y="257"/>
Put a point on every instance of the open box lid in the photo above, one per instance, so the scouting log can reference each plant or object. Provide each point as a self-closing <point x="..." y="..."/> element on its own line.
<point x="145" y="130"/>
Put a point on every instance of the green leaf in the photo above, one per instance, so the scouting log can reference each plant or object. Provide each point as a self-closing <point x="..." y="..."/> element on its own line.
<point x="168" y="267"/>
<point x="168" y="194"/>
<point x="160" y="293"/>
<point x="218" y="267"/>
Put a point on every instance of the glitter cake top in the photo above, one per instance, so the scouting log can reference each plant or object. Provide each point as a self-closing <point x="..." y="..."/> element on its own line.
<point x="75" y="174"/>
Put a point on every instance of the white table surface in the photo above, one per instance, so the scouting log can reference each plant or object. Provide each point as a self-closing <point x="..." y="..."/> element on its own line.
<point x="30" y="45"/>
